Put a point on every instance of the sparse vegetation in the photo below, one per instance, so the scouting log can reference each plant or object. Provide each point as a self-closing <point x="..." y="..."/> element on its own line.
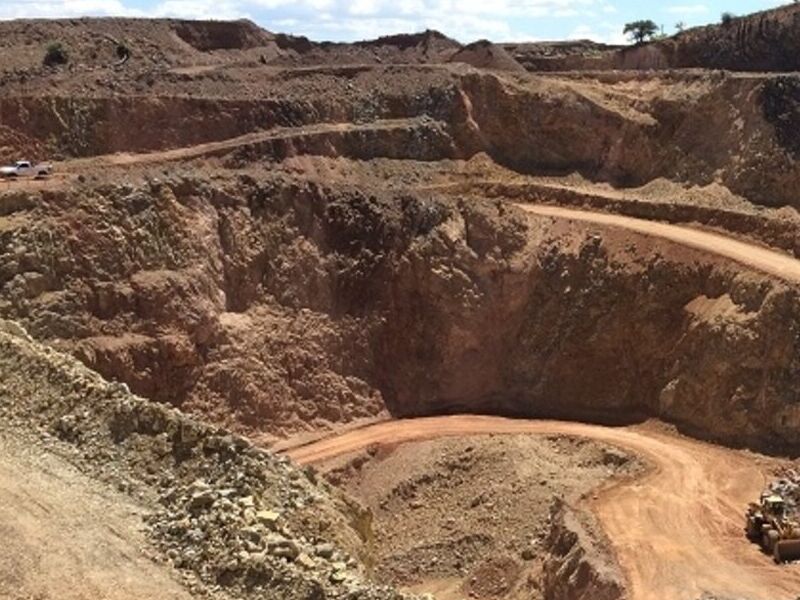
<point x="641" y="31"/>
<point x="680" y="26"/>
<point x="727" y="18"/>
<point x="56" y="55"/>
<point x="123" y="52"/>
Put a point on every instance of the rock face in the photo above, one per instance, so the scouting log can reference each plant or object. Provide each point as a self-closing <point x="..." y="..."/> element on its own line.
<point x="577" y="566"/>
<point x="275" y="306"/>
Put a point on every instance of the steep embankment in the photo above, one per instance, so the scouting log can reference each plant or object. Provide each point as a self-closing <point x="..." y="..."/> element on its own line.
<point x="276" y="306"/>
<point x="228" y="519"/>
<point x="764" y="41"/>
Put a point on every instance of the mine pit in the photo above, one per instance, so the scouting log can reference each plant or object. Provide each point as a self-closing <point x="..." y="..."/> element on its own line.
<point x="398" y="319"/>
<point x="473" y="516"/>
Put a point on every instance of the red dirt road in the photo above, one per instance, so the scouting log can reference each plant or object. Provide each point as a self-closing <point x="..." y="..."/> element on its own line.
<point x="753" y="256"/>
<point x="676" y="531"/>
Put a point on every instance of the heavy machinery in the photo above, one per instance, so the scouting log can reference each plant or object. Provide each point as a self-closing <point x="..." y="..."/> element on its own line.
<point x="769" y="524"/>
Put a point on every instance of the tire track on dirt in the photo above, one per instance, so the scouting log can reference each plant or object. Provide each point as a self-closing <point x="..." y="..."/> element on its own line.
<point x="677" y="530"/>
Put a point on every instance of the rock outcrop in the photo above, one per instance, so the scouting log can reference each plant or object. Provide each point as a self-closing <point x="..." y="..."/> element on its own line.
<point x="578" y="566"/>
<point x="276" y="306"/>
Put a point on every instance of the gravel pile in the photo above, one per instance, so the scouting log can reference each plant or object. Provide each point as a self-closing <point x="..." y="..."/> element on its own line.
<point x="236" y="520"/>
<point x="788" y="488"/>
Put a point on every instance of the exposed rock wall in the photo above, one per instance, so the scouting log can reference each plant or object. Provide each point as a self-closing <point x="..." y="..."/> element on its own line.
<point x="577" y="566"/>
<point x="513" y="318"/>
<point x="275" y="306"/>
<point x="561" y="128"/>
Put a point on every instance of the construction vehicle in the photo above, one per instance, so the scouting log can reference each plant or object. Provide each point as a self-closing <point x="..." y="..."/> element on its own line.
<point x="769" y="524"/>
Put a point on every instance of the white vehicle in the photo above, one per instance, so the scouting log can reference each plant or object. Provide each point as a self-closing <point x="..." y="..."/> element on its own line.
<point x="24" y="168"/>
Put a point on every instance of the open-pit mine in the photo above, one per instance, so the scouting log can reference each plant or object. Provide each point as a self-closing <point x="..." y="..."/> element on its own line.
<point x="398" y="319"/>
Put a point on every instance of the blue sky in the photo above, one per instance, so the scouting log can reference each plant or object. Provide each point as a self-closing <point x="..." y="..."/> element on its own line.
<point x="466" y="20"/>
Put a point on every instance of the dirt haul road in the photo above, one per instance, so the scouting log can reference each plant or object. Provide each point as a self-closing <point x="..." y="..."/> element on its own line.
<point x="676" y="531"/>
<point x="750" y="255"/>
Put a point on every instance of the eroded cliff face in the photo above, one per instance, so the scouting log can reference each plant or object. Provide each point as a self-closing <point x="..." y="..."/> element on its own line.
<point x="276" y="306"/>
<point x="578" y="567"/>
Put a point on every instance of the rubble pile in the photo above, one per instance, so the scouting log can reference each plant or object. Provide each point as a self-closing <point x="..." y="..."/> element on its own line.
<point x="236" y="520"/>
<point x="788" y="488"/>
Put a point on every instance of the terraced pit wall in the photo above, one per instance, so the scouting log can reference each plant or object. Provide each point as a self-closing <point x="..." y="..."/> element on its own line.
<point x="687" y="132"/>
<point x="274" y="306"/>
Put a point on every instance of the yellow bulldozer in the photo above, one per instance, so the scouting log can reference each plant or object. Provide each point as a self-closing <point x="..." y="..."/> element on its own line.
<point x="769" y="524"/>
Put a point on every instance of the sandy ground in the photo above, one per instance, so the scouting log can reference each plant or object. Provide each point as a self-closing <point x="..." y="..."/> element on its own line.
<point x="65" y="537"/>
<point x="677" y="531"/>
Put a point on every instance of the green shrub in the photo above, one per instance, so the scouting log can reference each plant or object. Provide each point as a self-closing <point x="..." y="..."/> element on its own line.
<point x="56" y="55"/>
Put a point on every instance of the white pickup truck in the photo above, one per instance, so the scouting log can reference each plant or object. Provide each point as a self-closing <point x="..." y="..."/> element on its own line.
<point x="24" y="168"/>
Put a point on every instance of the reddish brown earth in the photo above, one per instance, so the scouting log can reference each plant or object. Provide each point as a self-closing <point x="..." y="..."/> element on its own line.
<point x="290" y="239"/>
<point x="676" y="531"/>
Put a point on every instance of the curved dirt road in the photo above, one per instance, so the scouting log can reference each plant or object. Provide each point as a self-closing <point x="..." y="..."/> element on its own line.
<point x="677" y="531"/>
<point x="750" y="255"/>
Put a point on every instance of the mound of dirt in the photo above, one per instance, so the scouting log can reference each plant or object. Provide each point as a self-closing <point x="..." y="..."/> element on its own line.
<point x="427" y="47"/>
<point x="486" y="55"/>
<point x="234" y="520"/>
<point x="222" y="35"/>
<point x="481" y="513"/>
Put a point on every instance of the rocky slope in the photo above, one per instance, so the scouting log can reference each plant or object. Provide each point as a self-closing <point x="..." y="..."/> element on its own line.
<point x="234" y="520"/>
<point x="482" y="513"/>
<point x="275" y="305"/>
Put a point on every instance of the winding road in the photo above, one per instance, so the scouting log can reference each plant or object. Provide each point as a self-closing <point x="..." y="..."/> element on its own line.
<point x="676" y="531"/>
<point x="747" y="254"/>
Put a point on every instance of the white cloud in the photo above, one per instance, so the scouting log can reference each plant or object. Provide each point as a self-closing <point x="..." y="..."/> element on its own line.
<point x="605" y="33"/>
<point x="53" y="9"/>
<point x="200" y="9"/>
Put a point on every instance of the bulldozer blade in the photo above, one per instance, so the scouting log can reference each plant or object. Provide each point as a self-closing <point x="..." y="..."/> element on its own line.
<point x="787" y="550"/>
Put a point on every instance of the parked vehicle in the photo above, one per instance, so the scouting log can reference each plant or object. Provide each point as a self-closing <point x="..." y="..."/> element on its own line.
<point x="24" y="168"/>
